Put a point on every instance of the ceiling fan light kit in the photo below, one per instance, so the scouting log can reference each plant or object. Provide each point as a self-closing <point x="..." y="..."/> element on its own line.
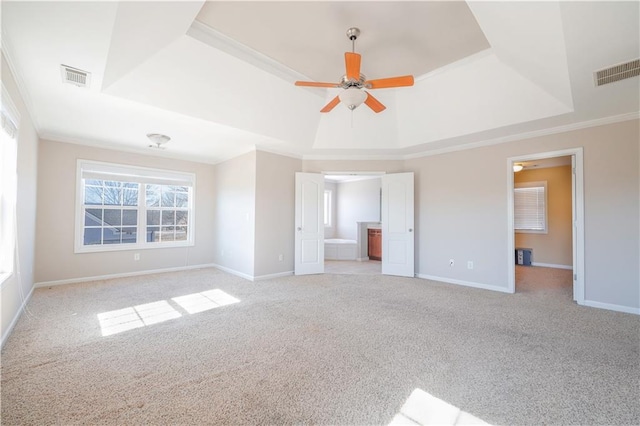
<point x="352" y="97"/>
<point x="354" y="83"/>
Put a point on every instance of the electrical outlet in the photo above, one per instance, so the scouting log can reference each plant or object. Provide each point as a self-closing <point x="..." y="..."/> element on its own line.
<point x="136" y="256"/>
<point x="451" y="262"/>
<point x="470" y="264"/>
<point x="280" y="258"/>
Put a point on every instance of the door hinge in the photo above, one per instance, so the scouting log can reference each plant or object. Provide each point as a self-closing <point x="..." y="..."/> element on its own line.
<point x="575" y="277"/>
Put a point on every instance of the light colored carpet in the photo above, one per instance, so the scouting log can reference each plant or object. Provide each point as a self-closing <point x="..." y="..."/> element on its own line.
<point x="353" y="267"/>
<point x="326" y="349"/>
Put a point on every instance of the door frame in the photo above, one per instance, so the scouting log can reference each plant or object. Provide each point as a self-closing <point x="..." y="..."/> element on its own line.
<point x="577" y="202"/>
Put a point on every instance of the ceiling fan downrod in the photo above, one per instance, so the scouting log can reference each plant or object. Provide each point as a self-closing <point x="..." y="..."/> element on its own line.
<point x="353" y="34"/>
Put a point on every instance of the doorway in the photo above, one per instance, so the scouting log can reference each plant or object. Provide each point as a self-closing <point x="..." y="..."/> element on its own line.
<point x="576" y="272"/>
<point x="393" y="214"/>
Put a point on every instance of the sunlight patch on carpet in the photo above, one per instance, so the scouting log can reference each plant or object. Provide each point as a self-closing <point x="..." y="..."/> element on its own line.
<point x="114" y="322"/>
<point x="422" y="408"/>
<point x="133" y="317"/>
<point x="199" y="302"/>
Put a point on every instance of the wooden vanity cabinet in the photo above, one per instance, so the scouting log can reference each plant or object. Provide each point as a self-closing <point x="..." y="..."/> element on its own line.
<point x="375" y="244"/>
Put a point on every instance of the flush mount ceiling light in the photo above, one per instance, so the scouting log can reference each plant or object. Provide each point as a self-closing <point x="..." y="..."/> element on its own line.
<point x="517" y="167"/>
<point x="158" y="140"/>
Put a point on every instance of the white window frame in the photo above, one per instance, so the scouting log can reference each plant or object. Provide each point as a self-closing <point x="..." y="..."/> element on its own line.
<point x="541" y="184"/>
<point x="10" y="123"/>
<point x="328" y="194"/>
<point x="142" y="175"/>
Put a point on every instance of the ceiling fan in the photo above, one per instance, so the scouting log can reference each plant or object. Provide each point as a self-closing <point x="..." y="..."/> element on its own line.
<point x="354" y="83"/>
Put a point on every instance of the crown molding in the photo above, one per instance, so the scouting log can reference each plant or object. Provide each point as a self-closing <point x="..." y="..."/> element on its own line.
<point x="360" y="157"/>
<point x="93" y="143"/>
<point x="530" y="135"/>
<point x="354" y="157"/>
<point x="280" y="152"/>
<point x="220" y="41"/>
<point x="7" y="50"/>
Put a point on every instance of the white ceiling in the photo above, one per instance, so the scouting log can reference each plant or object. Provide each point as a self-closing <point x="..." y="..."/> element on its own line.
<point x="310" y="38"/>
<point x="217" y="77"/>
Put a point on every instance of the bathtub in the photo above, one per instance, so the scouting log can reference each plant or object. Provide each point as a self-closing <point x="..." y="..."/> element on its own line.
<point x="339" y="249"/>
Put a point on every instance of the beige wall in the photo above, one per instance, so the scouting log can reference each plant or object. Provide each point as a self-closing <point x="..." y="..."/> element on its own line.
<point x="358" y="201"/>
<point x="317" y="166"/>
<point x="234" y="216"/>
<point x="275" y="197"/>
<point x="16" y="288"/>
<point x="461" y="210"/>
<point x="55" y="257"/>
<point x="554" y="247"/>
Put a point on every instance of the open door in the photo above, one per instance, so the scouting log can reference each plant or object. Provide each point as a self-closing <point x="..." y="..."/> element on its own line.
<point x="574" y="228"/>
<point x="397" y="225"/>
<point x="309" y="223"/>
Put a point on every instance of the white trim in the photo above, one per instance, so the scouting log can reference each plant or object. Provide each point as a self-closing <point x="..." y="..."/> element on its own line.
<point x="482" y="143"/>
<point x="218" y="40"/>
<point x="7" y="49"/>
<point x="552" y="265"/>
<point x="278" y="152"/>
<point x="578" y="220"/>
<point x="526" y="135"/>
<point x="140" y="175"/>
<point x="271" y="276"/>
<point x="4" y="276"/>
<point x="356" y="157"/>
<point x="464" y="283"/>
<point x="363" y="259"/>
<point x="122" y="275"/>
<point x="13" y="114"/>
<point x="612" y="307"/>
<point x="15" y="319"/>
<point x="95" y="143"/>
<point x="233" y="272"/>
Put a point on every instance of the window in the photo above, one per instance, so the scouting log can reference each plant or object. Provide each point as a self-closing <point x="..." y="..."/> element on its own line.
<point x="8" y="181"/>
<point x="124" y="207"/>
<point x="327" y="207"/>
<point x="530" y="207"/>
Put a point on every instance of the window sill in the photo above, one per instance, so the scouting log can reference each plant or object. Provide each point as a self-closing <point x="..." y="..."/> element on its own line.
<point x="4" y="276"/>
<point x="530" y="231"/>
<point x="129" y="247"/>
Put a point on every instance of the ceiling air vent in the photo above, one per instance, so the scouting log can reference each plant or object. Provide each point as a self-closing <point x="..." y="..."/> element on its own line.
<point x="75" y="76"/>
<point x="617" y="72"/>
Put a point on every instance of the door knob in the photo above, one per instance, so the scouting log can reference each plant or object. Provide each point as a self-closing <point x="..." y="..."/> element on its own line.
<point x="299" y="229"/>
<point x="410" y="229"/>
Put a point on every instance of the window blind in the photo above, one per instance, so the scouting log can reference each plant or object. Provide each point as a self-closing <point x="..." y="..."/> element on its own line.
<point x="529" y="208"/>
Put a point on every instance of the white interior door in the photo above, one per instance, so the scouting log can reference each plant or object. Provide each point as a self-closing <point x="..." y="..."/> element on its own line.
<point x="309" y="223"/>
<point x="397" y="225"/>
<point x="574" y="229"/>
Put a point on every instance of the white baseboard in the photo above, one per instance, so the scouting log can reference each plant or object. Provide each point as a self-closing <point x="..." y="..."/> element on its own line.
<point x="122" y="275"/>
<point x="15" y="319"/>
<point x="552" y="265"/>
<point x="363" y="259"/>
<point x="233" y="272"/>
<point x="612" y="307"/>
<point x="270" y="276"/>
<point x="464" y="283"/>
